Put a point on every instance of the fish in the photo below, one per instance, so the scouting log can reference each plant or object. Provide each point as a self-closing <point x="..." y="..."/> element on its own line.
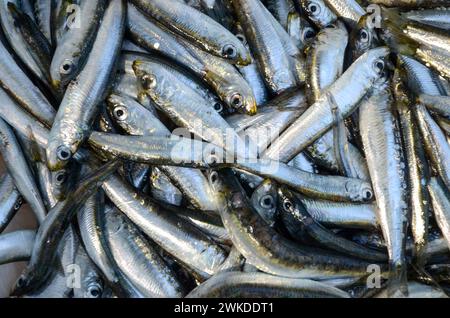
<point x="16" y="246"/>
<point x="18" y="167"/>
<point x="75" y="114"/>
<point x="384" y="153"/>
<point x="201" y="30"/>
<point x="241" y="285"/>
<point x="318" y="118"/>
<point x="10" y="201"/>
<point x="73" y="48"/>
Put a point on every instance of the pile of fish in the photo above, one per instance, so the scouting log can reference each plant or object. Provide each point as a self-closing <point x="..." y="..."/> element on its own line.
<point x="226" y="148"/>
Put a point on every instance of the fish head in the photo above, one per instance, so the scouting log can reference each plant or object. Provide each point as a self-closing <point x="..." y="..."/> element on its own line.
<point x="236" y="52"/>
<point x="264" y="200"/>
<point x="363" y="37"/>
<point x="63" y="69"/>
<point x="58" y="155"/>
<point x="318" y="12"/>
<point x="359" y="191"/>
<point x="238" y="97"/>
<point x="374" y="63"/>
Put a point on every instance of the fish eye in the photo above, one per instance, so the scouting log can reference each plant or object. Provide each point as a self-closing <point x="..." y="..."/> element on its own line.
<point x="63" y="153"/>
<point x="148" y="81"/>
<point x="218" y="107"/>
<point x="309" y="34"/>
<point x="367" y="195"/>
<point x="95" y="291"/>
<point x="21" y="282"/>
<point x="236" y="100"/>
<point x="364" y="35"/>
<point x="379" y="66"/>
<point x="120" y="113"/>
<point x="214" y="177"/>
<point x="266" y="201"/>
<point x="229" y="51"/>
<point x="287" y="205"/>
<point x="313" y="8"/>
<point x="61" y="177"/>
<point x="66" y="67"/>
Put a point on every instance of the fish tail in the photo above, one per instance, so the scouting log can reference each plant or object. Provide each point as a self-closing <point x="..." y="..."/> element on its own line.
<point x="398" y="283"/>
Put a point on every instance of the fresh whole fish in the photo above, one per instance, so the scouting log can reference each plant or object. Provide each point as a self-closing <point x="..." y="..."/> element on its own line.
<point x="225" y="148"/>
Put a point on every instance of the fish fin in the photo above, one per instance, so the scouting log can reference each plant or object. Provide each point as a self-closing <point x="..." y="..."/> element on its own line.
<point x="398" y="283"/>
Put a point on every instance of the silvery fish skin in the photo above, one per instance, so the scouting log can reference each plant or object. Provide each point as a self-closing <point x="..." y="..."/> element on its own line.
<point x="197" y="27"/>
<point x="318" y="12"/>
<point x="251" y="73"/>
<point x="137" y="121"/>
<point x="16" y="246"/>
<point x="14" y="81"/>
<point x="187" y="109"/>
<point x="417" y="290"/>
<point x="438" y="104"/>
<point x="16" y="40"/>
<point x="162" y="189"/>
<point x="290" y="100"/>
<point x="20" y="171"/>
<point x="418" y="172"/>
<point x="55" y="288"/>
<point x="127" y="84"/>
<point x="346" y="92"/>
<point x="341" y="214"/>
<point x="197" y="251"/>
<point x="325" y="59"/>
<point x="93" y="237"/>
<point x="255" y="285"/>
<point x="170" y="150"/>
<point x="138" y="260"/>
<point x="91" y="283"/>
<point x="274" y="60"/>
<point x="217" y="73"/>
<point x="325" y="64"/>
<point x="147" y="33"/>
<point x="10" y="200"/>
<point x="185" y="77"/>
<point x="21" y="120"/>
<point x="74" y="118"/>
<point x="383" y="150"/>
<point x="438" y="17"/>
<point x="301" y="32"/>
<point x="266" y="249"/>
<point x="441" y="205"/>
<point x="303" y="162"/>
<point x="261" y="134"/>
<point x="363" y="37"/>
<point x="293" y="209"/>
<point x="413" y="4"/>
<point x="37" y="43"/>
<point x="280" y="10"/>
<point x="44" y="13"/>
<point x="335" y="188"/>
<point x="226" y="81"/>
<point x="420" y="78"/>
<point x="428" y="44"/>
<point x="349" y="10"/>
<point x="436" y="145"/>
<point x="73" y="49"/>
<point x="51" y="232"/>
